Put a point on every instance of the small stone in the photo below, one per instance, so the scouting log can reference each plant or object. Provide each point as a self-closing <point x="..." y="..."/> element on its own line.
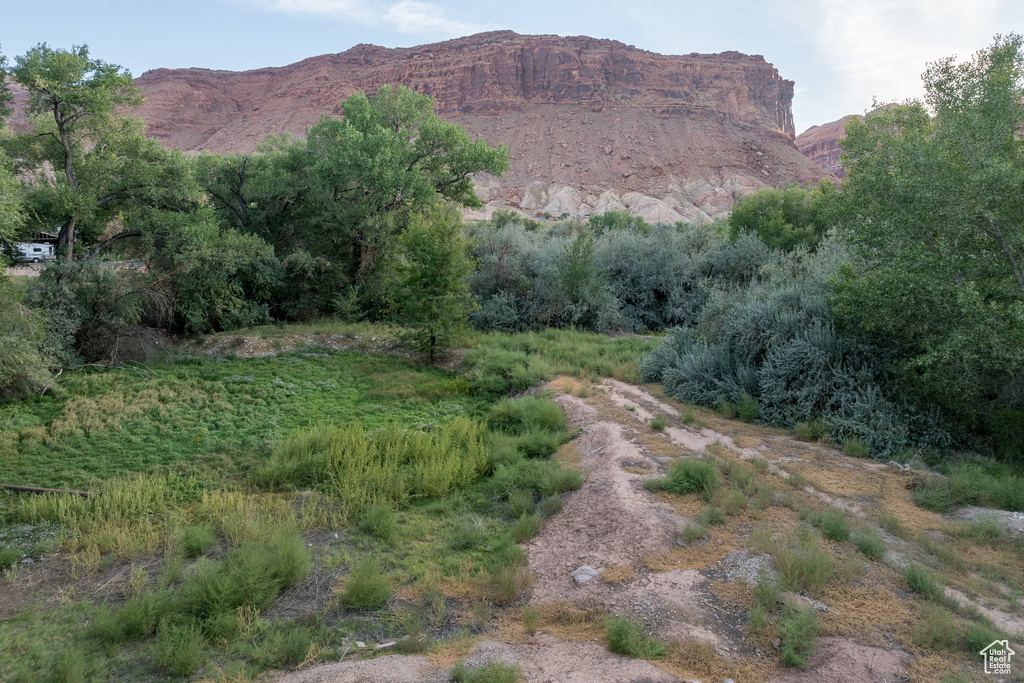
<point x="382" y="646"/>
<point x="776" y="643"/>
<point x="585" y="573"/>
<point x="728" y="680"/>
<point x="360" y="644"/>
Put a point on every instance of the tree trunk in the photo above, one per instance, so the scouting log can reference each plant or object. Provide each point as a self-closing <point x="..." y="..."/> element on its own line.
<point x="66" y="240"/>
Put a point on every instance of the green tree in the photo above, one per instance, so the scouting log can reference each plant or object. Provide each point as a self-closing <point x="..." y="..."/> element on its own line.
<point x="782" y="218"/>
<point x="431" y="290"/>
<point x="74" y="98"/>
<point x="935" y="206"/>
<point x="345" y="194"/>
<point x="5" y="91"/>
<point x="11" y="214"/>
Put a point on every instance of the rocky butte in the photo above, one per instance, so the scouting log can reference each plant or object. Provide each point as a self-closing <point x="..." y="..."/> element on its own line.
<point x="820" y="144"/>
<point x="590" y="124"/>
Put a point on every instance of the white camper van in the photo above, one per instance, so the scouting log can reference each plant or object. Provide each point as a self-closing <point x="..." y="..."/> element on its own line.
<point x="36" y="252"/>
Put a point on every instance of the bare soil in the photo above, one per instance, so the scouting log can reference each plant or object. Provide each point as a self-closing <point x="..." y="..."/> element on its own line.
<point x="696" y="595"/>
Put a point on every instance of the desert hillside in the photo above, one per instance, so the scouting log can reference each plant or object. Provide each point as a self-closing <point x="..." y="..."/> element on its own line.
<point x="669" y="137"/>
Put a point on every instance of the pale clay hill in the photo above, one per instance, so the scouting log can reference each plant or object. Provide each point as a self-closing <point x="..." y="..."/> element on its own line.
<point x="591" y="125"/>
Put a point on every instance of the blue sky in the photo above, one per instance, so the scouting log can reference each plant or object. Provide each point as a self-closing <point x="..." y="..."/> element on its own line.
<point x="841" y="53"/>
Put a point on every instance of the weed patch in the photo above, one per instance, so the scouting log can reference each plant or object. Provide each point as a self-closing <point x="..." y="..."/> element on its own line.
<point x="870" y="543"/>
<point x="922" y="581"/>
<point x="366" y="588"/>
<point x="833" y="524"/>
<point x="688" y="476"/>
<point x="797" y="630"/>
<point x="625" y="636"/>
<point x="491" y="672"/>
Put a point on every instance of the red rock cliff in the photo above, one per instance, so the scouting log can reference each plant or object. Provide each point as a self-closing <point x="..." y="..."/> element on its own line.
<point x="587" y="113"/>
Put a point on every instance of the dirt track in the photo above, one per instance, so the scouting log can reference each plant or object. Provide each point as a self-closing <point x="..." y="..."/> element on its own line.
<point x="698" y="594"/>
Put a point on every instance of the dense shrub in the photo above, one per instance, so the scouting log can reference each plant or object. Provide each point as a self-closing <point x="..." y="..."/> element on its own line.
<point x="771" y="348"/>
<point x="24" y="356"/>
<point x="616" y="272"/>
<point x="218" y="279"/>
<point x="97" y="311"/>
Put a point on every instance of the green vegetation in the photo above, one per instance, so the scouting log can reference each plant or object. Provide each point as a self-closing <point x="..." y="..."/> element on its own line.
<point x="886" y="309"/>
<point x="803" y="566"/>
<point x="491" y="672"/>
<point x="833" y="524"/>
<point x="389" y="466"/>
<point x="881" y="316"/>
<point x="626" y="636"/>
<point x="870" y="543"/>
<point x="213" y="419"/>
<point x="367" y="588"/>
<point x="797" y="628"/>
<point x="937" y="629"/>
<point x="688" y="476"/>
<point x="783" y="218"/>
<point x="922" y="581"/>
<point x="970" y="484"/>
<point x="812" y="430"/>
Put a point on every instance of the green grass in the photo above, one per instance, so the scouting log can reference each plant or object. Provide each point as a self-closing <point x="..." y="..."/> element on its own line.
<point x="196" y="540"/>
<point x="971" y="484"/>
<point x="710" y="516"/>
<point x="833" y="524"/>
<point x="937" y="629"/>
<point x="367" y="588"/>
<point x="797" y="630"/>
<point x="386" y="467"/>
<point x="216" y="418"/>
<point x="218" y="466"/>
<point x="659" y="422"/>
<point x="491" y="672"/>
<point x="688" y="476"/>
<point x="870" y="543"/>
<point x="813" y="430"/>
<point x="922" y="581"/>
<point x="803" y="567"/>
<point x="498" y="363"/>
<point x="626" y="636"/>
<point x="856" y="448"/>
<point x="379" y="521"/>
<point x="747" y="408"/>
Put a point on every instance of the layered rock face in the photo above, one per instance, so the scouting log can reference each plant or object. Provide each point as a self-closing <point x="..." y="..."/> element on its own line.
<point x="585" y="115"/>
<point x="820" y="144"/>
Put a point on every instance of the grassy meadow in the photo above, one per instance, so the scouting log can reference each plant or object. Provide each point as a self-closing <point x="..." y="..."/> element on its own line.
<point x="266" y="512"/>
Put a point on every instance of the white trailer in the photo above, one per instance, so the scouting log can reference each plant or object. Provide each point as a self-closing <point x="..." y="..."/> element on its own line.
<point x="35" y="252"/>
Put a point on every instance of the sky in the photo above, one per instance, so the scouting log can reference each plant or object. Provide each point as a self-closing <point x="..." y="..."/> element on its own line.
<point x="842" y="54"/>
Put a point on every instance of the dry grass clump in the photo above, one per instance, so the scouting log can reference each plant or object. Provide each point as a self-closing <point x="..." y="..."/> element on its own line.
<point x="618" y="573"/>
<point x="697" y="659"/>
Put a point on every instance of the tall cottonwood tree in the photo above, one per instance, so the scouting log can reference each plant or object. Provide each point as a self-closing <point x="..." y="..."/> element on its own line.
<point x="335" y="204"/>
<point x="75" y="98"/>
<point x="934" y="203"/>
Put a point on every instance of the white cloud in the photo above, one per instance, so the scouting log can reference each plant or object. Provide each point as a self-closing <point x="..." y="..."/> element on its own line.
<point x="881" y="47"/>
<point x="411" y="17"/>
